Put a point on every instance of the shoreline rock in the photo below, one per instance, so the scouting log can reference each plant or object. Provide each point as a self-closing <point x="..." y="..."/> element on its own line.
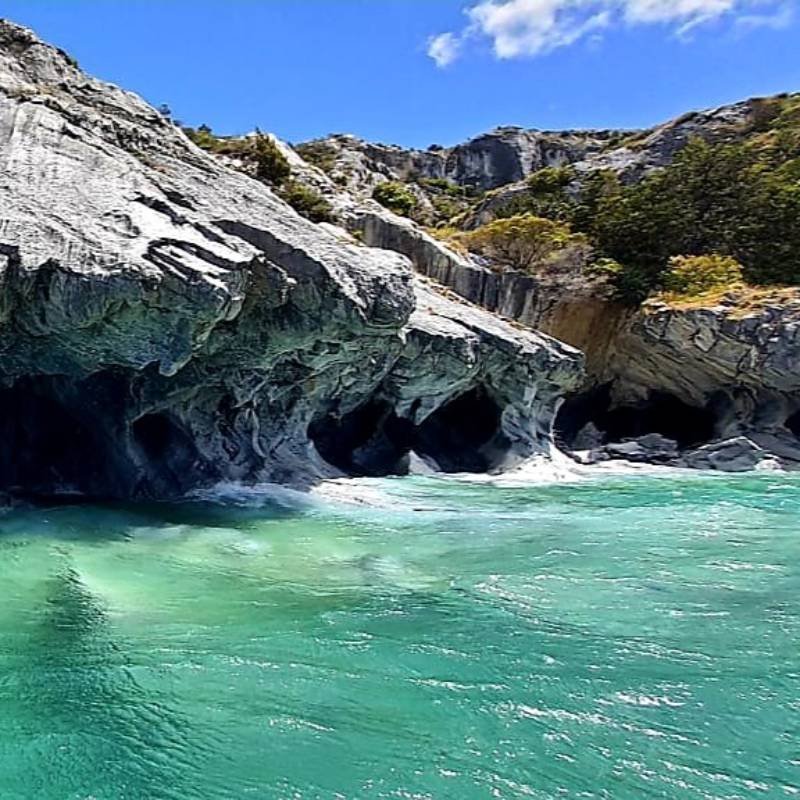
<point x="167" y="323"/>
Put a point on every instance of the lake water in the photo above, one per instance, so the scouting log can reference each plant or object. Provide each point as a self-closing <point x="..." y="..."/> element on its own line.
<point x="618" y="637"/>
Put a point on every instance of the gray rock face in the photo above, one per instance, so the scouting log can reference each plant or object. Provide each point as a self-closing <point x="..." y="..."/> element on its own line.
<point x="739" y="369"/>
<point x="166" y="322"/>
<point x="503" y="158"/>
<point x="653" y="448"/>
<point x="486" y="162"/>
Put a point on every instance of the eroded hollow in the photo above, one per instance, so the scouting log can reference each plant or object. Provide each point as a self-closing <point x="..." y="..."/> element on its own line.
<point x="793" y="423"/>
<point x="462" y="436"/>
<point x="661" y="413"/>
<point x="65" y="437"/>
<point x="465" y="434"/>
<point x="171" y="459"/>
<point x="50" y="444"/>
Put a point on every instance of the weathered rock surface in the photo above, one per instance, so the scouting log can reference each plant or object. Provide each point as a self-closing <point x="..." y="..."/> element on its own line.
<point x="485" y="162"/>
<point x="695" y="376"/>
<point x="719" y="372"/>
<point x="167" y="322"/>
<point x="739" y="454"/>
<point x="500" y="161"/>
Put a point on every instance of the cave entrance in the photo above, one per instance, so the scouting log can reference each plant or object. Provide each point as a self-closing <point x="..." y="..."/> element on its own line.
<point x="369" y="441"/>
<point x="660" y="413"/>
<point x="464" y="435"/>
<point x="49" y="446"/>
<point x="793" y="423"/>
<point x="170" y="457"/>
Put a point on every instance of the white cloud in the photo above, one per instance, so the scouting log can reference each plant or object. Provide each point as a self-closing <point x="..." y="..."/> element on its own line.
<point x="444" y="49"/>
<point x="518" y="28"/>
<point x="527" y="27"/>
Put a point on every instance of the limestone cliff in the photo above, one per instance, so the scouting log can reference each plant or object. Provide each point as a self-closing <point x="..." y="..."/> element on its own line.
<point x="167" y="322"/>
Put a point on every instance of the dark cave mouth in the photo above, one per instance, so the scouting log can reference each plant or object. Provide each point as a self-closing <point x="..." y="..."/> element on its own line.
<point x="464" y="435"/>
<point x="661" y="413"/>
<point x="793" y="423"/>
<point x="66" y="439"/>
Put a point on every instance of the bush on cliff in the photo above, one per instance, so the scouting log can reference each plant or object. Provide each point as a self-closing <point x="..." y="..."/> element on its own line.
<point x="395" y="197"/>
<point x="694" y="275"/>
<point x="727" y="199"/>
<point x="526" y="242"/>
<point x="739" y="200"/>
<point x="272" y="165"/>
<point x="319" y="154"/>
<point x="307" y="202"/>
<point x="546" y="195"/>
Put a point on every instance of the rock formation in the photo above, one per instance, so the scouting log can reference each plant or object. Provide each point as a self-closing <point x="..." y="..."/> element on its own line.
<point x="488" y="161"/>
<point x="711" y="386"/>
<point x="167" y="322"/>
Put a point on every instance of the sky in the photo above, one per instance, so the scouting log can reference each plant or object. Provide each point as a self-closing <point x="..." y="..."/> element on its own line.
<point x="422" y="72"/>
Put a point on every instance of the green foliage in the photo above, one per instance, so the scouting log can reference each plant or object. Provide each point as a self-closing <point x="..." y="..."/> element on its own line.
<point x="396" y="197"/>
<point x="271" y="164"/>
<point x="442" y="186"/>
<point x="206" y="139"/>
<point x="735" y="200"/>
<point x="693" y="275"/>
<point x="546" y="196"/>
<point x="523" y="242"/>
<point x="319" y="154"/>
<point x="203" y="137"/>
<point x="446" y="208"/>
<point x="307" y="202"/>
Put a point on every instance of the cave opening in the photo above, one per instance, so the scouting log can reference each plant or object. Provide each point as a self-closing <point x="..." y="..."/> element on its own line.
<point x="463" y="435"/>
<point x="171" y="459"/>
<point x="793" y="423"/>
<point x="50" y="445"/>
<point x="368" y="441"/>
<point x="661" y="413"/>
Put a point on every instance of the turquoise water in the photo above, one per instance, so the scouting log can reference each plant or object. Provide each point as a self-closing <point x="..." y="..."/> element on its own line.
<point x="621" y="638"/>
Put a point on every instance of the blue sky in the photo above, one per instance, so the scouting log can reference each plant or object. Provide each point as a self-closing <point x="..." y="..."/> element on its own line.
<point x="307" y="68"/>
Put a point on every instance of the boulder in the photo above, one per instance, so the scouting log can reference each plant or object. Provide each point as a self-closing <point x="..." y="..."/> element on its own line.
<point x="739" y="454"/>
<point x="652" y="448"/>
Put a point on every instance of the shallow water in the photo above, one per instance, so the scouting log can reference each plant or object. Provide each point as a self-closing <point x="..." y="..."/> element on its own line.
<point x="632" y="637"/>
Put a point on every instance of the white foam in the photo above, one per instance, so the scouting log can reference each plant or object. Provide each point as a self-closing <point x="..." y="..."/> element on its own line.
<point x="254" y="495"/>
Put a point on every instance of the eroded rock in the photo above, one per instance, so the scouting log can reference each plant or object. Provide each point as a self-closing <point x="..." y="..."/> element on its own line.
<point x="167" y="322"/>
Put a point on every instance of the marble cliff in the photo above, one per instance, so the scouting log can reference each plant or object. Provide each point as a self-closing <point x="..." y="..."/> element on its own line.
<point x="167" y="322"/>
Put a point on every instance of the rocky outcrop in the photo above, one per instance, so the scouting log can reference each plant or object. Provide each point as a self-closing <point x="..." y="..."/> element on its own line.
<point x="167" y="322"/>
<point x="688" y="375"/>
<point x="495" y="166"/>
<point x="488" y="161"/>
<point x="742" y="361"/>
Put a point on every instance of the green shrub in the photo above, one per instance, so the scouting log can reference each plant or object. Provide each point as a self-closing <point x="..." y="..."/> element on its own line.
<point x="442" y="186"/>
<point x="735" y="200"/>
<point x="693" y="275"/>
<point x="395" y="197"/>
<point x="272" y="165"/>
<point x="546" y="196"/>
<point x="203" y="137"/>
<point x="523" y="242"/>
<point x="319" y="154"/>
<point x="306" y="201"/>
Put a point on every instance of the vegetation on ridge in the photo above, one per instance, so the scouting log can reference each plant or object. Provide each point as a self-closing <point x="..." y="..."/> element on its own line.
<point x="738" y="201"/>
<point x="270" y="165"/>
<point x="396" y="197"/>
